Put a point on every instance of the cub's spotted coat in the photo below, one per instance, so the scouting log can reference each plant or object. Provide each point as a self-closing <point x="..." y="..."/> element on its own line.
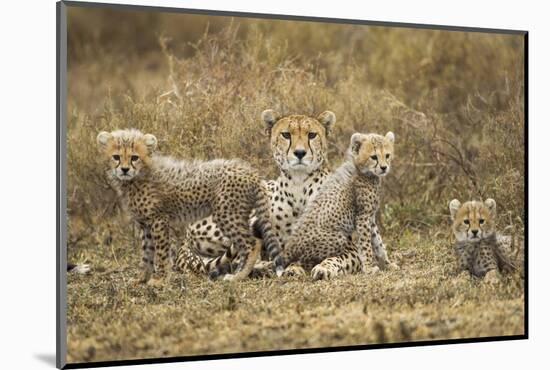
<point x="159" y="191"/>
<point x="322" y="240"/>
<point x="479" y="249"/>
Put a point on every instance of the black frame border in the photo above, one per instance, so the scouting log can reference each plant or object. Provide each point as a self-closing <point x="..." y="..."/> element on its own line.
<point x="61" y="252"/>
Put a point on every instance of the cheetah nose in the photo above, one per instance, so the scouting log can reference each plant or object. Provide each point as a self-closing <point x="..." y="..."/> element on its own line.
<point x="475" y="232"/>
<point x="125" y="170"/>
<point x="300" y="153"/>
<point x="383" y="168"/>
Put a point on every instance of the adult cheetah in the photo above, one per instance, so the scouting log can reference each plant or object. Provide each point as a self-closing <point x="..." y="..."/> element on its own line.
<point x="160" y="190"/>
<point x="322" y="240"/>
<point x="299" y="146"/>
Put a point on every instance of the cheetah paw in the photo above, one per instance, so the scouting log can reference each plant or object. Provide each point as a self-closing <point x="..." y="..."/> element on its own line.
<point x="322" y="273"/>
<point x="319" y="273"/>
<point x="392" y="266"/>
<point x="228" y="277"/>
<point x="81" y="269"/>
<point x="372" y="270"/>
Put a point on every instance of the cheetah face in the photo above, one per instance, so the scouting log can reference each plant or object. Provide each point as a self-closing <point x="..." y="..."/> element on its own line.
<point x="372" y="153"/>
<point x="473" y="220"/>
<point x="127" y="152"/>
<point x="298" y="143"/>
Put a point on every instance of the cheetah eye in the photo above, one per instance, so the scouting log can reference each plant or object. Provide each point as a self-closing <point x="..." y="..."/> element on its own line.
<point x="387" y="156"/>
<point x="312" y="135"/>
<point x="481" y="221"/>
<point x="134" y="158"/>
<point x="374" y="157"/>
<point x="467" y="222"/>
<point x="286" y="135"/>
<point x="116" y="157"/>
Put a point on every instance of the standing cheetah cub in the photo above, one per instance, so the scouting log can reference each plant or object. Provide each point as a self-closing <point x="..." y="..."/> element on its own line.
<point x="479" y="249"/>
<point x="160" y="190"/>
<point x="347" y="204"/>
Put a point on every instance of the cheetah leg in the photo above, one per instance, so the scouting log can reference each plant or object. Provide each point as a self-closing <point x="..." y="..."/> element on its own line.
<point x="148" y="249"/>
<point x="347" y="263"/>
<point x="224" y="256"/>
<point x="379" y="248"/>
<point x="160" y="234"/>
<point x="329" y="268"/>
<point x="208" y="238"/>
<point x="486" y="261"/>
<point x="248" y="263"/>
<point x="262" y="226"/>
<point x="364" y="243"/>
<point x="263" y="268"/>
<point x="235" y="227"/>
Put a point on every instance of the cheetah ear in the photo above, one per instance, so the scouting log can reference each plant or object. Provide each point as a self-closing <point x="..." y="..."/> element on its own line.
<point x="356" y="141"/>
<point x="270" y="117"/>
<point x="390" y="137"/>
<point x="103" y="139"/>
<point x="150" y="142"/>
<point x="454" y="205"/>
<point x="327" y="119"/>
<point x="492" y="205"/>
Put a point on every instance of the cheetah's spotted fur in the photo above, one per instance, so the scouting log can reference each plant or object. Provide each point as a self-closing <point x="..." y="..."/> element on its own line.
<point x="299" y="147"/>
<point x="347" y="203"/>
<point x="160" y="190"/>
<point x="479" y="249"/>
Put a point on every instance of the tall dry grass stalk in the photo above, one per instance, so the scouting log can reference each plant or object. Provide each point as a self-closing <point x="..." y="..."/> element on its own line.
<point x="453" y="99"/>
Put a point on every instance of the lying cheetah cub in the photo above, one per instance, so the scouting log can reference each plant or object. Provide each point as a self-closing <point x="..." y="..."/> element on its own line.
<point x="480" y="250"/>
<point x="160" y="190"/>
<point x="346" y="204"/>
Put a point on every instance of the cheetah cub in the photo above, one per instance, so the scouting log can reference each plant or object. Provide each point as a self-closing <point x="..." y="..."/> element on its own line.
<point x="160" y="190"/>
<point x="347" y="203"/>
<point x="479" y="249"/>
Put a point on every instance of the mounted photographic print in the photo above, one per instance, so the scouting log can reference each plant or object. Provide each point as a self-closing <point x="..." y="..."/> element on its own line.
<point x="234" y="184"/>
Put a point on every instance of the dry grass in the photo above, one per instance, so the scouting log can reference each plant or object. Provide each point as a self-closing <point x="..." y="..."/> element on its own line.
<point x="111" y="319"/>
<point x="454" y="101"/>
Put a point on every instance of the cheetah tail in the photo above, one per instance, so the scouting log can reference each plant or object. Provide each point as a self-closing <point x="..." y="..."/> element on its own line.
<point x="256" y="229"/>
<point x="78" y="268"/>
<point x="263" y="225"/>
<point x="248" y="265"/>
